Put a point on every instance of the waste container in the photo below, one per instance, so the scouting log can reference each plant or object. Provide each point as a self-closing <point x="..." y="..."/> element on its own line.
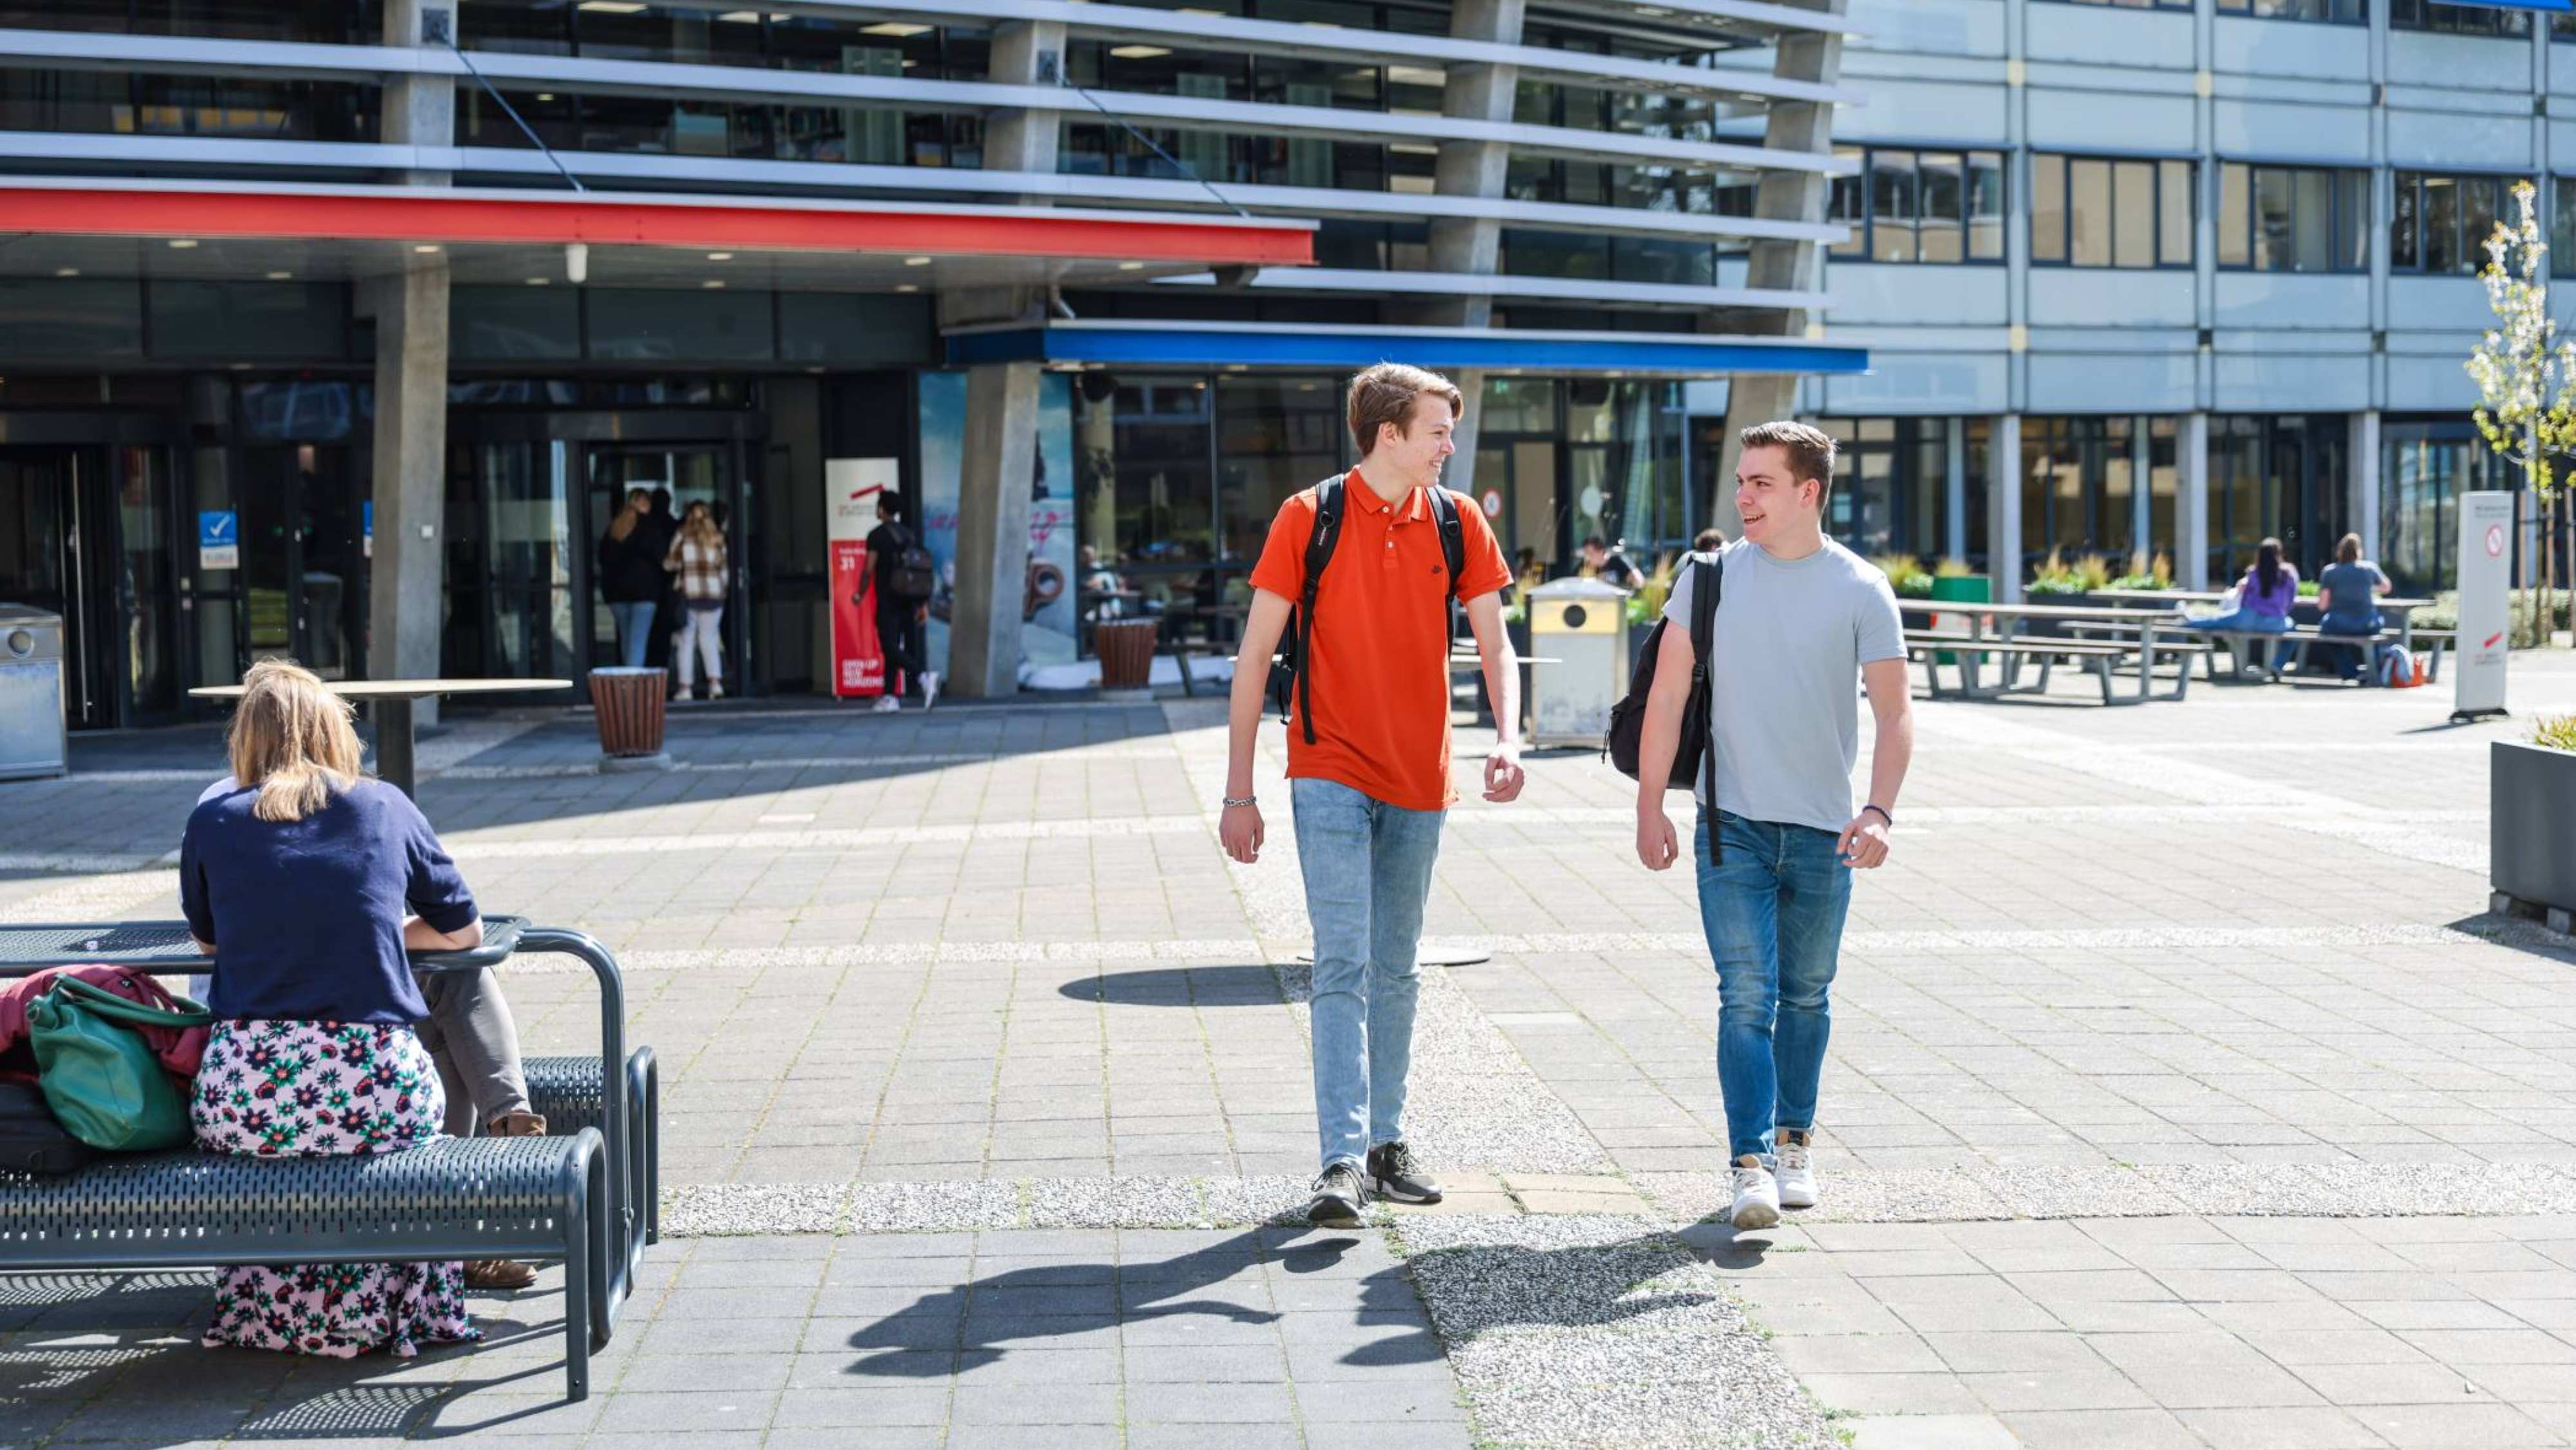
<point x="1126" y="649"/>
<point x="628" y="704"/>
<point x="1582" y="625"/>
<point x="34" y="734"/>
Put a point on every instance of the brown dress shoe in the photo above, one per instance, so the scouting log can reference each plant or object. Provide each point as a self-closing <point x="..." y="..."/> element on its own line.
<point x="506" y="1273"/>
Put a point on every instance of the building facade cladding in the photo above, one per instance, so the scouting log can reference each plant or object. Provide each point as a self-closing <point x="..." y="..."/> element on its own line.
<point x="1568" y="169"/>
<point x="2227" y="290"/>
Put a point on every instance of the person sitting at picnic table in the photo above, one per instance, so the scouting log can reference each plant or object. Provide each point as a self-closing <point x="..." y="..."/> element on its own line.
<point x="2348" y="593"/>
<point x="306" y="884"/>
<point x="2263" y="598"/>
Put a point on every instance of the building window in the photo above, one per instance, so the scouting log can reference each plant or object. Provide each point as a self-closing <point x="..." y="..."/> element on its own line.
<point x="2443" y="19"/>
<point x="2136" y="4"/>
<point x="1893" y="486"/>
<point x="2562" y="226"/>
<point x="2105" y="212"/>
<point x="2079" y="487"/>
<point x="2424" y="467"/>
<point x="2347" y="12"/>
<point x="2439" y="225"/>
<point x="1921" y="206"/>
<point x="2276" y="477"/>
<point x="2293" y="218"/>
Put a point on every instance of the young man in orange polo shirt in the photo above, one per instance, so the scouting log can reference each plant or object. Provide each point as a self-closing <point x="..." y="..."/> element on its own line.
<point x="1368" y="754"/>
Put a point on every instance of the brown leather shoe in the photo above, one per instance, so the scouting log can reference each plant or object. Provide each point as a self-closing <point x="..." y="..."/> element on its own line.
<point x="506" y="1273"/>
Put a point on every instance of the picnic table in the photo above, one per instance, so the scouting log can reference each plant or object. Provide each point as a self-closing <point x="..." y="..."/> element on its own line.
<point x="2000" y="629"/>
<point x="449" y="1198"/>
<point x="2402" y="609"/>
<point x="392" y="702"/>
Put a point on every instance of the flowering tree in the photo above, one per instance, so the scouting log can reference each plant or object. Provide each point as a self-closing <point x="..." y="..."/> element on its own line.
<point x="2526" y="375"/>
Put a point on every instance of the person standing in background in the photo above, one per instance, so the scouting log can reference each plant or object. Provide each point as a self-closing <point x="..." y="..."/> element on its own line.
<point x="699" y="561"/>
<point x="631" y="580"/>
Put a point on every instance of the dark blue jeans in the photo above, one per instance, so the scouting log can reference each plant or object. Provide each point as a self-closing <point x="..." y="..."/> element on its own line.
<point x="1773" y="910"/>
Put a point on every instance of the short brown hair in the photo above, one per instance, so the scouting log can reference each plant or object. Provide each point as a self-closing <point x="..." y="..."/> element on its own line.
<point x="1811" y="452"/>
<point x="1386" y="394"/>
<point x="2348" y="549"/>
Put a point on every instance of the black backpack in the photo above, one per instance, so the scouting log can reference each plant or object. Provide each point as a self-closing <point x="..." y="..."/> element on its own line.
<point x="1692" y="757"/>
<point x="1288" y="674"/>
<point x="912" y="575"/>
<point x="32" y="1140"/>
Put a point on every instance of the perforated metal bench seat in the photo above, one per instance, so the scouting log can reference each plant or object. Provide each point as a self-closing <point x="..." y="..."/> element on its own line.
<point x="565" y="1091"/>
<point x="522" y="1198"/>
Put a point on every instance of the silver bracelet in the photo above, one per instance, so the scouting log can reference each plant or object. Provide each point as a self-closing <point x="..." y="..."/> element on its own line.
<point x="1245" y="801"/>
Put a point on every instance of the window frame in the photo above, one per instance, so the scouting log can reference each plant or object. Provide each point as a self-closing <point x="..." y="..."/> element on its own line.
<point x="2244" y="10"/>
<point x="1863" y="245"/>
<point x="2151" y="6"/>
<point x="2336" y="222"/>
<point x="2469" y="252"/>
<point x="2156" y="170"/>
<point x="2503" y="21"/>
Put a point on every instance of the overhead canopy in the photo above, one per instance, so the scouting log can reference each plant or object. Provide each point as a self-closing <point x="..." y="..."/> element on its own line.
<point x="211" y="230"/>
<point x="1288" y="345"/>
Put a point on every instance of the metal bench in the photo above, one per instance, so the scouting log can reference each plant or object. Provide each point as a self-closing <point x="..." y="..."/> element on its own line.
<point x="575" y="1093"/>
<point x="2258" y="648"/>
<point x="2099" y="658"/>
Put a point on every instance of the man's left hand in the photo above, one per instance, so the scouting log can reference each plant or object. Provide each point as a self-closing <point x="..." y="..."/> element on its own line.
<point x="1503" y="775"/>
<point x="1864" y="842"/>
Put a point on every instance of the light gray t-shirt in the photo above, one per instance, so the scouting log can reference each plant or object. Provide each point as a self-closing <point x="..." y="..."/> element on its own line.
<point x="1790" y="638"/>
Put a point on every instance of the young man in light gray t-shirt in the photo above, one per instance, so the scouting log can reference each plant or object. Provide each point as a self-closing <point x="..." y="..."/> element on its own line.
<point x="1800" y="618"/>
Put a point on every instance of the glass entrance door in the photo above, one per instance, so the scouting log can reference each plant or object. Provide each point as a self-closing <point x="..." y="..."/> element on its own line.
<point x="303" y="558"/>
<point x="56" y="545"/>
<point x="673" y="476"/>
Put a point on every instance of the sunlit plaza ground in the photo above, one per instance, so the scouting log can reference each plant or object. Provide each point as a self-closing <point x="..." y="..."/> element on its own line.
<point x="2182" y="1093"/>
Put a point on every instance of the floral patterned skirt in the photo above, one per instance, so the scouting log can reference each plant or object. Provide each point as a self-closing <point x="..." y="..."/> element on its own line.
<point x="279" y="1089"/>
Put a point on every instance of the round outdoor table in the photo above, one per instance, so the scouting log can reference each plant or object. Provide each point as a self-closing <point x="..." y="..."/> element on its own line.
<point x="392" y="700"/>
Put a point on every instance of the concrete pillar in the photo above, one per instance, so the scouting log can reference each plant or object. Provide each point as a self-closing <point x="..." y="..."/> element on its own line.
<point x="1954" y="521"/>
<point x="2142" y="497"/>
<point x="2363" y="508"/>
<point x="1460" y="472"/>
<point x="404" y="607"/>
<point x="998" y="459"/>
<point x="1783" y="196"/>
<point x="419" y="110"/>
<point x="1026" y="53"/>
<point x="2191" y="507"/>
<point x="2003" y="508"/>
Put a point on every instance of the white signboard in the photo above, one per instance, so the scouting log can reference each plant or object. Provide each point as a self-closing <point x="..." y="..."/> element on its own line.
<point x="2486" y="584"/>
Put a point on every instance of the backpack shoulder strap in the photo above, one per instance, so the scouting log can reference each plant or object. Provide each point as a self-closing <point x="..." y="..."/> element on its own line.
<point x="1453" y="533"/>
<point x="1319" y="553"/>
<point x="1708" y="582"/>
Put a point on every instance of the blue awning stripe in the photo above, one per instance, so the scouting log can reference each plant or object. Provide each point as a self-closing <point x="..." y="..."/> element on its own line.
<point x="1535" y="351"/>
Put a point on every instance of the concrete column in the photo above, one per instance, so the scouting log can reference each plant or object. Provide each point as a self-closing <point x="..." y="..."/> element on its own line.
<point x="1954" y="522"/>
<point x="419" y="110"/>
<point x="2364" y="504"/>
<point x="403" y="601"/>
<point x="1026" y="53"/>
<point x="2191" y="505"/>
<point x="2003" y="508"/>
<point x="1783" y="196"/>
<point x="1459" y="474"/>
<point x="999" y="458"/>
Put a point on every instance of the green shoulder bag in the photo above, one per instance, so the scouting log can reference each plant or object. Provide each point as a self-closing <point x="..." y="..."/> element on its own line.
<point x="99" y="1075"/>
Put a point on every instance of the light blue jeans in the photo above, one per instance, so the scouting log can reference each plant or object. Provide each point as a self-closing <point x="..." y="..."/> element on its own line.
<point x="634" y="630"/>
<point x="2247" y="619"/>
<point x="1368" y="872"/>
<point x="1773" y="910"/>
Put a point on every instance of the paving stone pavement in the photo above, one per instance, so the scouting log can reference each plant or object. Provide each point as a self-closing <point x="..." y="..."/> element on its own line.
<point x="2182" y="1093"/>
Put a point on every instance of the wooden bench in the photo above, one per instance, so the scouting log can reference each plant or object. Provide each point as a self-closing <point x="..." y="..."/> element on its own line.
<point x="2100" y="657"/>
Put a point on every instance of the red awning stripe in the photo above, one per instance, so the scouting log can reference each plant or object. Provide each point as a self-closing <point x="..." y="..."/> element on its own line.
<point x="412" y="217"/>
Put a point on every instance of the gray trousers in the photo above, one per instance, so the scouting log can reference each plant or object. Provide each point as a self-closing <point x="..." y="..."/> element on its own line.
<point x="470" y="1035"/>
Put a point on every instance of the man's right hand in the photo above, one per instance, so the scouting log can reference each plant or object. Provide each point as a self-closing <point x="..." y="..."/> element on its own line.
<point x="1657" y="846"/>
<point x="1240" y="829"/>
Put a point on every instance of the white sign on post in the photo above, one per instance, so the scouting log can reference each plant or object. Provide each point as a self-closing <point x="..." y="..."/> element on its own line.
<point x="2486" y="604"/>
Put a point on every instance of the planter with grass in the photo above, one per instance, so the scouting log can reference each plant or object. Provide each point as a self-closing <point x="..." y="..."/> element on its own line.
<point x="2531" y="803"/>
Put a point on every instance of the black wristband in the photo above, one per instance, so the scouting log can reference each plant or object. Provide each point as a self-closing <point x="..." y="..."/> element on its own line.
<point x="1882" y="814"/>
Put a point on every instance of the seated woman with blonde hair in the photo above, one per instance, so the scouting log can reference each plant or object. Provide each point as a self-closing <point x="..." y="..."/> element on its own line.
<point x="306" y="883"/>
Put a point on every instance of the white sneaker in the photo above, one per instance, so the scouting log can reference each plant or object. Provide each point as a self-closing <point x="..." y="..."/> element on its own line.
<point x="886" y="705"/>
<point x="1757" y="1194"/>
<point x="1797" y="1175"/>
<point x="929" y="689"/>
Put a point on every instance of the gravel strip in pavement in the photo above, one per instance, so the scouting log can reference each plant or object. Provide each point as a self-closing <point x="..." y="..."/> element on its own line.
<point x="718" y="1210"/>
<point x="2296" y="1190"/>
<point x="1600" y="1331"/>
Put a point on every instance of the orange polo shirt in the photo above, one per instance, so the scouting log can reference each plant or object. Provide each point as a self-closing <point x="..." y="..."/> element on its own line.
<point x="1380" y="668"/>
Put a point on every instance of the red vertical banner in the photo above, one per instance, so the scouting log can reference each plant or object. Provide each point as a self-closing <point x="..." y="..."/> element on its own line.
<point x="852" y="486"/>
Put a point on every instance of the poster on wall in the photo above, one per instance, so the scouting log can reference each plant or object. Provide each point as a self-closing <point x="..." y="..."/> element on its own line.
<point x="851" y="488"/>
<point x="2486" y="580"/>
<point x="1047" y="601"/>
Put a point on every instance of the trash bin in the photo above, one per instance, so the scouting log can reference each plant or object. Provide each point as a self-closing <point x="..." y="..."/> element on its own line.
<point x="1126" y="649"/>
<point x="34" y="733"/>
<point x="1581" y="624"/>
<point x="629" y="705"/>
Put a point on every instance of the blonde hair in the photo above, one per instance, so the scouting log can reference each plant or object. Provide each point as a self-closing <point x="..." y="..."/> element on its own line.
<point x="698" y="524"/>
<point x="292" y="738"/>
<point x="1387" y="394"/>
